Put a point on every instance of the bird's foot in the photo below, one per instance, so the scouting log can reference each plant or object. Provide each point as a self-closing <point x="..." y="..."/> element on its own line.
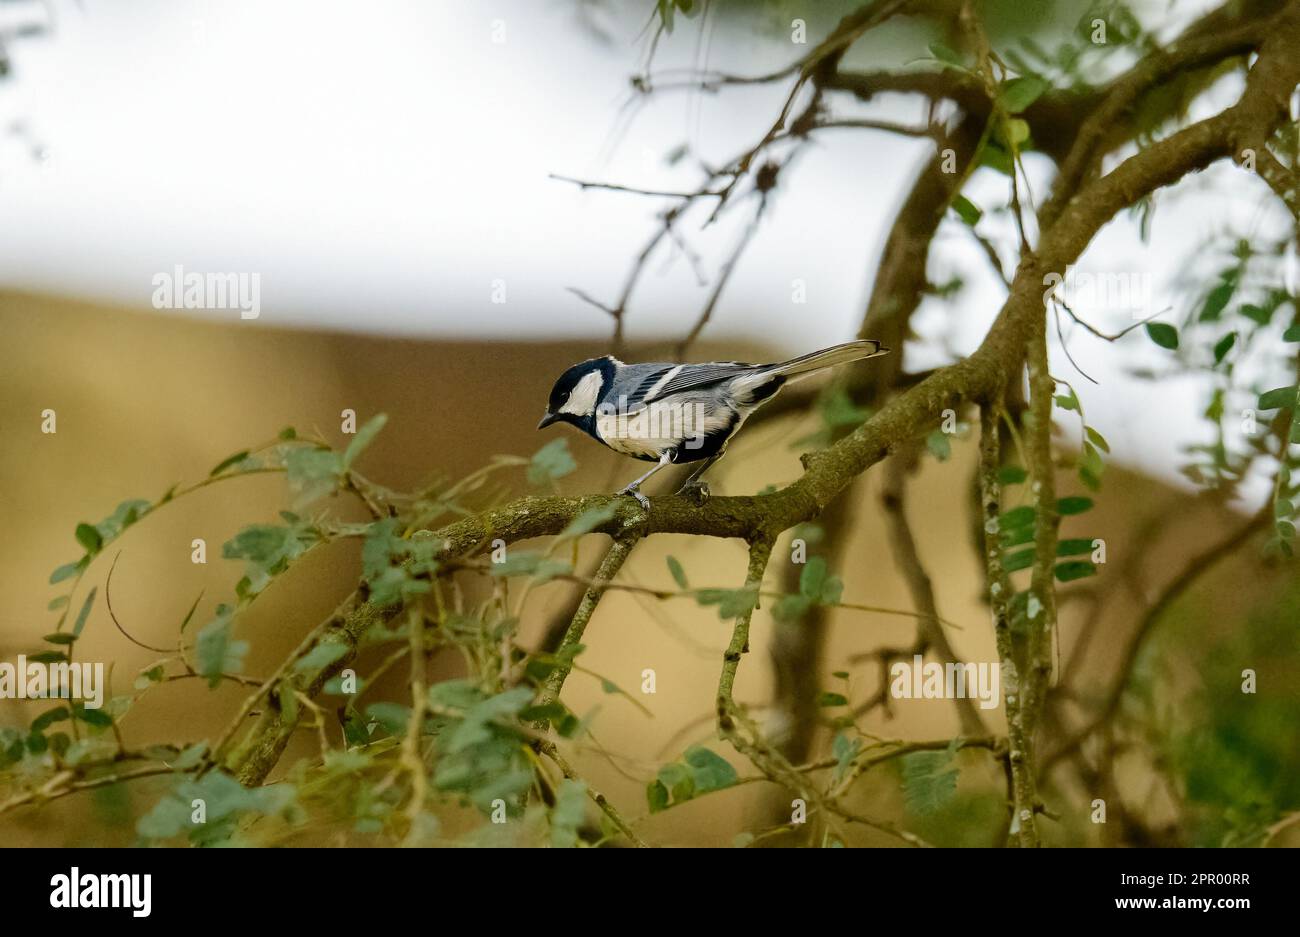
<point x="697" y="491"/>
<point x="640" y="498"/>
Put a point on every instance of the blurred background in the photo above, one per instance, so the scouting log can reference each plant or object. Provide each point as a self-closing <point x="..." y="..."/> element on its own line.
<point x="389" y="172"/>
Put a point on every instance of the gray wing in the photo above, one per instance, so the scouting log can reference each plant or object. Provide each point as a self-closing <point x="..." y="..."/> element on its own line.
<point x="691" y="376"/>
<point x="635" y="381"/>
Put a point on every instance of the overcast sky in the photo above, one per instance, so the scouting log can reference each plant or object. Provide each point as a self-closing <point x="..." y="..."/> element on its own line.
<point x="381" y="164"/>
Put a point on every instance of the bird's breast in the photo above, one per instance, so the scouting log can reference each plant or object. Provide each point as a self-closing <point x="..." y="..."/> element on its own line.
<point x="679" y="423"/>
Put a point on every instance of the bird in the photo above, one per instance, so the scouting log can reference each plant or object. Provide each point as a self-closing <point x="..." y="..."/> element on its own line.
<point x="670" y="413"/>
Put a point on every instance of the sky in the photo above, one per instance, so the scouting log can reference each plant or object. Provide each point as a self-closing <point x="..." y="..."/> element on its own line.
<point x="387" y="167"/>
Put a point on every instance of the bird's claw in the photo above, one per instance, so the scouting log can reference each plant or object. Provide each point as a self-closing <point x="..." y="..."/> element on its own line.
<point x="640" y="498"/>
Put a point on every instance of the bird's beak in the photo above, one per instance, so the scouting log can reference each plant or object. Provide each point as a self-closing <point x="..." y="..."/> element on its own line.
<point x="547" y="420"/>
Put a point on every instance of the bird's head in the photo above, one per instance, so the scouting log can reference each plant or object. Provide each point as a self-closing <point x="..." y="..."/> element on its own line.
<point x="577" y="391"/>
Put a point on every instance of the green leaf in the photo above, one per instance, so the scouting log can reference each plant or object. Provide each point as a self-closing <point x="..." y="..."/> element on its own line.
<point x="1217" y="300"/>
<point x="546" y="712"/>
<point x="947" y="55"/>
<point x="89" y="538"/>
<point x="262" y="544"/>
<point x="838" y="410"/>
<point x="845" y="749"/>
<point x="226" y="800"/>
<point x="530" y="563"/>
<point x="1067" y="401"/>
<point x="49" y="718"/>
<point x="568" y="814"/>
<point x="149" y="676"/>
<point x="1223" y="346"/>
<point x="312" y="473"/>
<point x="190" y="757"/>
<point x="47" y="657"/>
<point x="679" y="782"/>
<point x="732" y="603"/>
<point x="1163" y="334"/>
<point x="939" y="444"/>
<point x="817" y="586"/>
<point x="1073" y="547"/>
<point x="364" y="437"/>
<point x="267" y="550"/>
<point x="1017" y="536"/>
<point x="1018" y="93"/>
<point x="1022" y="559"/>
<point x="1091" y="463"/>
<point x="790" y="608"/>
<point x="929" y="781"/>
<point x="1278" y="397"/>
<point x="93" y="717"/>
<point x="832" y="590"/>
<point x="551" y="462"/>
<point x="84" y="613"/>
<point x="123" y="516"/>
<point x="1258" y="314"/>
<point x="228" y="462"/>
<point x="812" y="577"/>
<point x="1074" y="569"/>
<point x="678" y="574"/>
<point x="967" y="210"/>
<point x="588" y="521"/>
<point x="1091" y="480"/>
<point x="68" y="570"/>
<point x="1292" y="334"/>
<point x="1011" y="475"/>
<point x="389" y="583"/>
<point x="57" y="603"/>
<point x="60" y="637"/>
<point x="1016" y="518"/>
<point x="1073" y="505"/>
<point x="1097" y="439"/>
<point x="996" y="157"/>
<point x="828" y="699"/>
<point x="667" y="8"/>
<point x="1214" y="409"/>
<point x="1018" y="131"/>
<point x="656" y="796"/>
<point x="709" y="770"/>
<point x="214" y="650"/>
<point x="392" y="717"/>
<point x="319" y="657"/>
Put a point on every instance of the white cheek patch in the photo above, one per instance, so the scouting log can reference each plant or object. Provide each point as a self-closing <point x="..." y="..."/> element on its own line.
<point x="582" y="400"/>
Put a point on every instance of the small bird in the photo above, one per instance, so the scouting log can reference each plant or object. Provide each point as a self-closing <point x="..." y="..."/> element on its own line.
<point x="677" y="413"/>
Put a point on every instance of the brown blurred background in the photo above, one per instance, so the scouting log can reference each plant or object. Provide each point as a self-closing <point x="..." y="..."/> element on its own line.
<point x="145" y="401"/>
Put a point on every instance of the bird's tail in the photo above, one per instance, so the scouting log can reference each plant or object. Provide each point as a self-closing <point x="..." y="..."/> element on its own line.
<point x="828" y="358"/>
